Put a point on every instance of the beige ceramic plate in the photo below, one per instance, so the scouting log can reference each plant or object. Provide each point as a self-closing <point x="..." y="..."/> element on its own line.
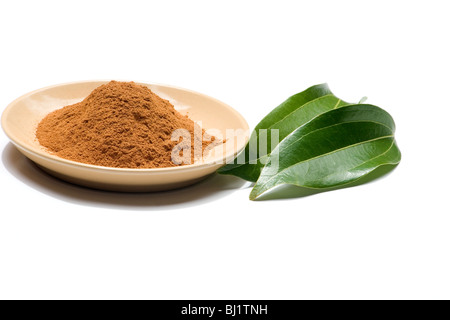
<point x="22" y="116"/>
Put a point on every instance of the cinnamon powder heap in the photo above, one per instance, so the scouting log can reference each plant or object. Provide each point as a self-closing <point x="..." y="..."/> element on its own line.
<point x="120" y="124"/>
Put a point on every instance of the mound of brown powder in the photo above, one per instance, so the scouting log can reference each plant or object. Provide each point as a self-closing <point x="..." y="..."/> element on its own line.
<point x="119" y="124"/>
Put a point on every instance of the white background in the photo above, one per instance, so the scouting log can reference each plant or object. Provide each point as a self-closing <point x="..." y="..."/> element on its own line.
<point x="387" y="239"/>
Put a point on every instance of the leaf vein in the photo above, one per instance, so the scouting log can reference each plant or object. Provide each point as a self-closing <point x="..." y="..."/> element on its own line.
<point x="339" y="101"/>
<point x="392" y="144"/>
<point x="333" y="125"/>
<point x="323" y="155"/>
<point x="299" y="108"/>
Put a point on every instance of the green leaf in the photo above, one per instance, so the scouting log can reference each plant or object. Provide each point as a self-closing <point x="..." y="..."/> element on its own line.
<point x="291" y="114"/>
<point x="333" y="149"/>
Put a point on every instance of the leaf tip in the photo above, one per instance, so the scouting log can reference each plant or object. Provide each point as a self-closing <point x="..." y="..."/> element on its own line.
<point x="254" y="194"/>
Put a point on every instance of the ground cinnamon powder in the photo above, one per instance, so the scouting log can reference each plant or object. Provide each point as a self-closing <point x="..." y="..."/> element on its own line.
<point x="120" y="124"/>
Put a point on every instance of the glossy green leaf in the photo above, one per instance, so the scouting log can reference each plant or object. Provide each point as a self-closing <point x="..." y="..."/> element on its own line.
<point x="333" y="149"/>
<point x="287" y="117"/>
